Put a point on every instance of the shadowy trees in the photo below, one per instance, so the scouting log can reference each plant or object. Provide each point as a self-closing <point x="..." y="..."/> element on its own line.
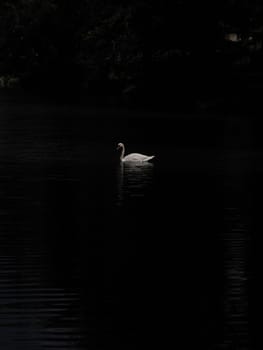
<point x="142" y="47"/>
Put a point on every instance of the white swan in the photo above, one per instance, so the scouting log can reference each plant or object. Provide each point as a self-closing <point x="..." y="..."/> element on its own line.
<point x="132" y="157"/>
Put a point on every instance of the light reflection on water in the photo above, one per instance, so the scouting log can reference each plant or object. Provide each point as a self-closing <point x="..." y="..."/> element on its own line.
<point x="236" y="247"/>
<point x="32" y="309"/>
<point x="134" y="180"/>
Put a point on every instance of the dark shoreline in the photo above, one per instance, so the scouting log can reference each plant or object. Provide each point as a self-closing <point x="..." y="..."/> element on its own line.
<point x="245" y="104"/>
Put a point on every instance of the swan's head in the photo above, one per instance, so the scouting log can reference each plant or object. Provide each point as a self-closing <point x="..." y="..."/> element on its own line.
<point x="120" y="145"/>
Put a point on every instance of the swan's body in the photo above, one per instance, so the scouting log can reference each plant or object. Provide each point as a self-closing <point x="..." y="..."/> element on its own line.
<point x="132" y="157"/>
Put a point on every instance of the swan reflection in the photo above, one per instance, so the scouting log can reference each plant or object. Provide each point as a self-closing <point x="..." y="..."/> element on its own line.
<point x="134" y="180"/>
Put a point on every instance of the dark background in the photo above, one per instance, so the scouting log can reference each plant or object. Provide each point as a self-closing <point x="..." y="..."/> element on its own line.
<point x="97" y="256"/>
<point x="183" y="54"/>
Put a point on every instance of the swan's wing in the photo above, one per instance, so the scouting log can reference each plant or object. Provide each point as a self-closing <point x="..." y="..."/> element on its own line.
<point x="137" y="157"/>
<point x="148" y="158"/>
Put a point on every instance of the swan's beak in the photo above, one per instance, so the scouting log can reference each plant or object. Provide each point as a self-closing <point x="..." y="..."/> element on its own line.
<point x="118" y="147"/>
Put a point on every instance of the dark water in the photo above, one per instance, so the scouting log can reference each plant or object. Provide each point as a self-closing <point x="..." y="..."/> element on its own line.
<point x="98" y="255"/>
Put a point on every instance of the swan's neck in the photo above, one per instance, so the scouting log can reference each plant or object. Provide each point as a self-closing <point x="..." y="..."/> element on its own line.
<point x="122" y="152"/>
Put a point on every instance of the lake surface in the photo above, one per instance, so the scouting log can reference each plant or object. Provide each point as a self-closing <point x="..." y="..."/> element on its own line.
<point x="95" y="254"/>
